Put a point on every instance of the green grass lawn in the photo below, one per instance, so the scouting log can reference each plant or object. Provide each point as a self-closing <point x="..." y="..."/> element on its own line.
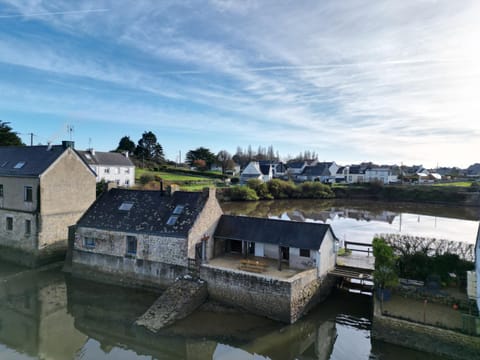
<point x="457" y="184"/>
<point x="168" y="176"/>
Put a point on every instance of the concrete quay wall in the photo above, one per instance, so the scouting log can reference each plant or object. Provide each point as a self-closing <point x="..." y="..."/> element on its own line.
<point x="423" y="337"/>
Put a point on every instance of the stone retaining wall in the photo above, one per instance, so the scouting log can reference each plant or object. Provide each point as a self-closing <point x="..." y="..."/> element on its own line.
<point x="424" y="338"/>
<point x="285" y="300"/>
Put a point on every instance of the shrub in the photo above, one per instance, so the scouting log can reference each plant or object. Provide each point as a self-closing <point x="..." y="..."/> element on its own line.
<point x="315" y="190"/>
<point x="385" y="274"/>
<point x="146" y="178"/>
<point x="234" y="180"/>
<point x="242" y="193"/>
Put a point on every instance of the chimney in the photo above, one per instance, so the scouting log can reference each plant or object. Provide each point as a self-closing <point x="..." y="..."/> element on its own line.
<point x="126" y="154"/>
<point x="172" y="188"/>
<point x="92" y="151"/>
<point x="68" y="144"/>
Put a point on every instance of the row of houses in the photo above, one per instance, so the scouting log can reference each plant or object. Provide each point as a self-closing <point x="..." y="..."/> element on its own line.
<point x="330" y="172"/>
<point x="150" y="238"/>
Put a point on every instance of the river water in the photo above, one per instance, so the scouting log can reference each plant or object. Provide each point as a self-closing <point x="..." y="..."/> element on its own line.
<point x="50" y="315"/>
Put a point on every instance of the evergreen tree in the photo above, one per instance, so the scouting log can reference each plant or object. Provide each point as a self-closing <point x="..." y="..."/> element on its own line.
<point x="149" y="149"/>
<point x="126" y="144"/>
<point x="7" y="136"/>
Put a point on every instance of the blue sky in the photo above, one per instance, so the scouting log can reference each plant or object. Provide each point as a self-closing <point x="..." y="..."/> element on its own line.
<point x="389" y="82"/>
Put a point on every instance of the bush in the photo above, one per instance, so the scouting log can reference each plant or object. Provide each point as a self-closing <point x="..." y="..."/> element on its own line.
<point x="242" y="193"/>
<point x="234" y="180"/>
<point x="315" y="190"/>
<point x="385" y="273"/>
<point x="146" y="178"/>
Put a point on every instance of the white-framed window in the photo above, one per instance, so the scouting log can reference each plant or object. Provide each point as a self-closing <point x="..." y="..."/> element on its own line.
<point x="106" y="170"/>
<point x="1" y="190"/>
<point x="127" y="170"/>
<point x="28" y="194"/>
<point x="127" y="182"/>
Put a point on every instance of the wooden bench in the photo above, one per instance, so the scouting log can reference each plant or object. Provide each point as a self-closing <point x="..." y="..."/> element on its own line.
<point x="252" y="266"/>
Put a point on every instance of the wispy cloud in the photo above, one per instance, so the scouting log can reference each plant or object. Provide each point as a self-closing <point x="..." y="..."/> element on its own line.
<point x="395" y="81"/>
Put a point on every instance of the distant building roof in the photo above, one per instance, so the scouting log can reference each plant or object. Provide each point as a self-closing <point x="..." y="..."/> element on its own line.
<point x="146" y="212"/>
<point x="105" y="158"/>
<point x="296" y="164"/>
<point x="28" y="160"/>
<point x="321" y="169"/>
<point x="356" y="170"/>
<point x="301" y="235"/>
<point x="265" y="169"/>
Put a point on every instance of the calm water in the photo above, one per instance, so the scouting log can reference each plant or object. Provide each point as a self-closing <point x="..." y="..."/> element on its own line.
<point x="361" y="220"/>
<point x="49" y="315"/>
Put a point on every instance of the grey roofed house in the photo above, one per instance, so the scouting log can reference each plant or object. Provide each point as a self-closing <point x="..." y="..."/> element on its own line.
<point x="105" y="158"/>
<point x="300" y="235"/>
<point x="146" y="212"/>
<point x="321" y="169"/>
<point x="28" y="161"/>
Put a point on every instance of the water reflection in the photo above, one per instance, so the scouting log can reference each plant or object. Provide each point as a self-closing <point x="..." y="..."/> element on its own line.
<point x="48" y="315"/>
<point x="359" y="221"/>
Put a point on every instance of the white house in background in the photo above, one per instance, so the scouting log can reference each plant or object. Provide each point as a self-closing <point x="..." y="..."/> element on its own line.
<point x="110" y="166"/>
<point x="324" y="172"/>
<point x="355" y="174"/>
<point x="383" y="175"/>
<point x="255" y="170"/>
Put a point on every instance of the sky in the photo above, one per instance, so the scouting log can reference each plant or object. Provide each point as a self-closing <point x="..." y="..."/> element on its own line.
<point x="393" y="82"/>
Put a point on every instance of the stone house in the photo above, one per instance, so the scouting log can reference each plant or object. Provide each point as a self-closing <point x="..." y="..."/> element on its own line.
<point x="43" y="190"/>
<point x="145" y="237"/>
<point x="298" y="245"/>
<point x="110" y="166"/>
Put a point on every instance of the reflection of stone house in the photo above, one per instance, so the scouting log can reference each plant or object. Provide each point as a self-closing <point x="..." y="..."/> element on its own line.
<point x="146" y="236"/>
<point x="110" y="166"/>
<point x="299" y="245"/>
<point x="33" y="317"/>
<point x="43" y="190"/>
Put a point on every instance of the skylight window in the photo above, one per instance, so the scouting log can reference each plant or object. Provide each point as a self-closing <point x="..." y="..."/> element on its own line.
<point x="178" y="209"/>
<point x="4" y="164"/>
<point x="19" y="165"/>
<point x="126" y="206"/>
<point x="172" y="220"/>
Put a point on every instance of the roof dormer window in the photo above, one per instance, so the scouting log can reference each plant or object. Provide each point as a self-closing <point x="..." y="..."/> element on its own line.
<point x="126" y="206"/>
<point x="178" y="209"/>
<point x="19" y="165"/>
<point x="172" y="220"/>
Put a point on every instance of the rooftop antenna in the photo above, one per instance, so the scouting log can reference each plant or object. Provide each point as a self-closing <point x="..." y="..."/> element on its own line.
<point x="70" y="130"/>
<point x="89" y="143"/>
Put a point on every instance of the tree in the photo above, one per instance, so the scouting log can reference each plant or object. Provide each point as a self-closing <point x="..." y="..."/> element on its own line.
<point x="224" y="159"/>
<point x="7" y="136"/>
<point x="149" y="149"/>
<point x="201" y="153"/>
<point x="126" y="144"/>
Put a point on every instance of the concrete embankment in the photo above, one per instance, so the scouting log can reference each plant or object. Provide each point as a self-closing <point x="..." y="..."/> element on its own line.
<point x="178" y="301"/>
<point x="425" y="338"/>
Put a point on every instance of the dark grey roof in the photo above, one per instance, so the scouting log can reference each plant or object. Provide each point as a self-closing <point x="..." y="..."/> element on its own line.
<point x="105" y="158"/>
<point x="149" y="214"/>
<point x="317" y="170"/>
<point x="356" y="170"/>
<point x="271" y="231"/>
<point x="296" y="164"/>
<point x="265" y="169"/>
<point x="37" y="159"/>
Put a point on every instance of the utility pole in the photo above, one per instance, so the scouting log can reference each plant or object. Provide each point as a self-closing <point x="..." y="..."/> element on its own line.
<point x="31" y="138"/>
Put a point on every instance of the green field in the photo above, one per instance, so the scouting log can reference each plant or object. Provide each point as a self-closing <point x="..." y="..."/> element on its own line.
<point x="185" y="181"/>
<point x="457" y="184"/>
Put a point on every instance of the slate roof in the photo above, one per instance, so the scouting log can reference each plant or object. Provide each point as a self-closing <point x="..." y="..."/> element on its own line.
<point x="149" y="214"/>
<point x="296" y="164"/>
<point x="356" y="169"/>
<point x="37" y="159"/>
<point x="317" y="170"/>
<point x="265" y="169"/>
<point x="105" y="158"/>
<point x="300" y="235"/>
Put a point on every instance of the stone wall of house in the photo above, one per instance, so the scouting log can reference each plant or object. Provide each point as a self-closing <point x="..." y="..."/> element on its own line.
<point x="125" y="270"/>
<point x="14" y="192"/>
<point x="168" y="250"/>
<point x="424" y="338"/>
<point x="67" y="189"/>
<point x="205" y="225"/>
<point x="17" y="238"/>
